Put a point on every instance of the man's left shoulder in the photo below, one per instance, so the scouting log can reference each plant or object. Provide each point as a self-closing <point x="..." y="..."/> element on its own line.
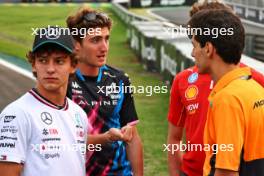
<point x="74" y="107"/>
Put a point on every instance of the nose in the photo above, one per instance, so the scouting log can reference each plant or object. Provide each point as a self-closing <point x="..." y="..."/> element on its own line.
<point x="51" y="66"/>
<point x="104" y="45"/>
<point x="192" y="52"/>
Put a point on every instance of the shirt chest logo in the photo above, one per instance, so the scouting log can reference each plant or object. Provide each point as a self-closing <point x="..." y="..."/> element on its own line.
<point x="193" y="78"/>
<point x="192" y="108"/>
<point x="191" y="92"/>
<point x="46" y="118"/>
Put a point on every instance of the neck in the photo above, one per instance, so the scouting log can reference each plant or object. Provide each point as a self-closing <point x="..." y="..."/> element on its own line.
<point x="220" y="69"/>
<point x="88" y="70"/>
<point x="56" y="97"/>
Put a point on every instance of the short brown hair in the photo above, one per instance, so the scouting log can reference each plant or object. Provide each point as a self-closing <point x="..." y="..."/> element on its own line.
<point x="78" y="21"/>
<point x="196" y="7"/>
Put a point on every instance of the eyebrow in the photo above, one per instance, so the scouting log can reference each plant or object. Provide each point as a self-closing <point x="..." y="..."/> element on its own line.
<point x="42" y="55"/>
<point x="96" y="36"/>
<point x="61" y="56"/>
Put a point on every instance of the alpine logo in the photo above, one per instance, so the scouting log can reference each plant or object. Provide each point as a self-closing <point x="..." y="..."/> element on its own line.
<point x="258" y="104"/>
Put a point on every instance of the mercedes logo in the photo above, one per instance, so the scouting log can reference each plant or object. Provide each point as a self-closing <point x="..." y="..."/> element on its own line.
<point x="46" y="118"/>
<point x="53" y="33"/>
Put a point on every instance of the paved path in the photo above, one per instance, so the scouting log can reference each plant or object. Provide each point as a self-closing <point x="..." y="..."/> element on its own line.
<point x="12" y="85"/>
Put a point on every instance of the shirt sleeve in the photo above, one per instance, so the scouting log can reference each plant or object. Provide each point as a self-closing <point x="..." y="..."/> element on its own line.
<point x="15" y="132"/>
<point x="176" y="114"/>
<point x="226" y="126"/>
<point x="128" y="111"/>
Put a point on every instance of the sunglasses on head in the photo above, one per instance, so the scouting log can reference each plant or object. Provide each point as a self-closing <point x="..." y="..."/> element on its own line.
<point x="94" y="15"/>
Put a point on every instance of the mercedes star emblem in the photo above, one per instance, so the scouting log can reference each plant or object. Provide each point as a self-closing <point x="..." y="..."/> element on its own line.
<point x="46" y="118"/>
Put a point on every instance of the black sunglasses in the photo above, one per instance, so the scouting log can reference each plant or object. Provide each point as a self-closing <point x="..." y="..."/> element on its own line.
<point x="94" y="15"/>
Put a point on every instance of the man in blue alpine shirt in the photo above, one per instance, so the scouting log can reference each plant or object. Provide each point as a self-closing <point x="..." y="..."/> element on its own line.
<point x="96" y="88"/>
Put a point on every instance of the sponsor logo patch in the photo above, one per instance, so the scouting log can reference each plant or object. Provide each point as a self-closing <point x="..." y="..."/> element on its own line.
<point x="258" y="104"/>
<point x="76" y="85"/>
<point x="191" y="92"/>
<point x="3" y="157"/>
<point x="51" y="131"/>
<point x="192" y="108"/>
<point x="46" y="118"/>
<point x="9" y="129"/>
<point x="9" y="118"/>
<point x="193" y="78"/>
<point x="7" y="145"/>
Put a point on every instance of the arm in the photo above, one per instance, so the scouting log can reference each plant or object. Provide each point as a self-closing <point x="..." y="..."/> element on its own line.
<point x="12" y="157"/>
<point x="128" y="119"/>
<point x="174" y="157"/>
<point x="135" y="153"/>
<point x="10" y="169"/>
<point x="113" y="134"/>
<point x="222" y="172"/>
<point x="176" y="119"/>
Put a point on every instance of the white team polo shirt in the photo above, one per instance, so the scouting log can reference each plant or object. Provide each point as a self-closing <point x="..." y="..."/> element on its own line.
<point x="46" y="139"/>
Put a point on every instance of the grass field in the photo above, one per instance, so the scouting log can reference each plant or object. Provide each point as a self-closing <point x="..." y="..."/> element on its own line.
<point x="16" y="22"/>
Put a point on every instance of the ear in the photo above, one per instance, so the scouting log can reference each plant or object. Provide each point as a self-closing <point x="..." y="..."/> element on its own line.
<point x="209" y="49"/>
<point x="77" y="47"/>
<point x="73" y="69"/>
<point x="33" y="65"/>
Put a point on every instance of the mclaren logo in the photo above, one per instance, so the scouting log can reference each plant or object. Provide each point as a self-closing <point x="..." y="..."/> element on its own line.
<point x="258" y="104"/>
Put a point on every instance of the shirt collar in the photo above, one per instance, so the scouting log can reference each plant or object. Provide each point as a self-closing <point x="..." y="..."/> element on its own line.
<point x="99" y="77"/>
<point x="229" y="77"/>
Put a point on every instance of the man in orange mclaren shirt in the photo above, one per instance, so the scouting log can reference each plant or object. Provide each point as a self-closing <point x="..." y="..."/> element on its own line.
<point x="235" y="118"/>
<point x="188" y="109"/>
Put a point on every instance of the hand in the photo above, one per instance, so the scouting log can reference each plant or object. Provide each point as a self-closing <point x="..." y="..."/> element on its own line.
<point x="127" y="133"/>
<point x="114" y="134"/>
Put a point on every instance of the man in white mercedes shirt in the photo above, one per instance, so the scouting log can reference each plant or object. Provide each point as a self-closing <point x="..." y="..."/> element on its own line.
<point x="43" y="132"/>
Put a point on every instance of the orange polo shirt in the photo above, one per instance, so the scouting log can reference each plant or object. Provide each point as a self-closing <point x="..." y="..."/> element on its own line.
<point x="235" y="125"/>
